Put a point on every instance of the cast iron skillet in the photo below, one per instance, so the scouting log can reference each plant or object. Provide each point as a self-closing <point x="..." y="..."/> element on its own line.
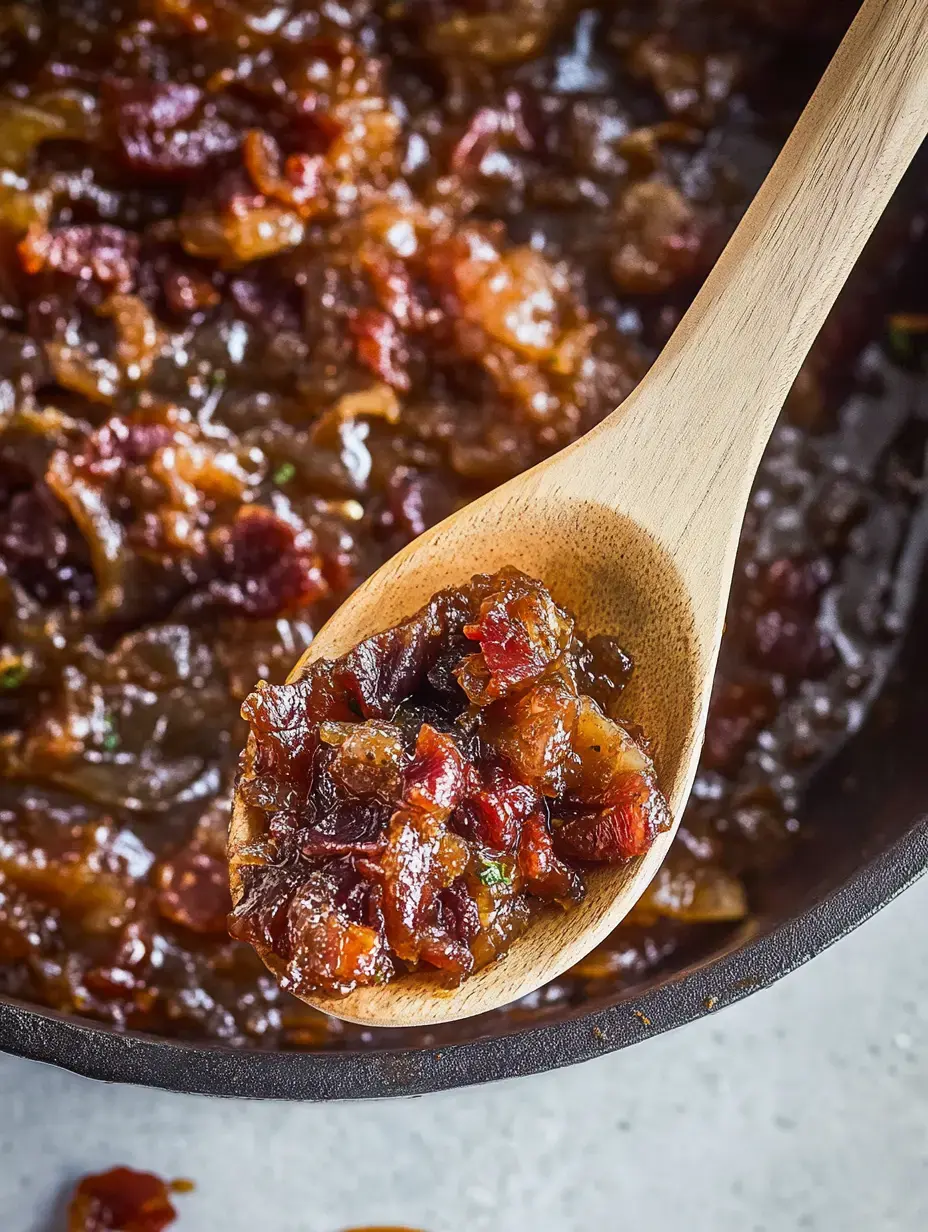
<point x="868" y="839"/>
<point x="865" y="827"/>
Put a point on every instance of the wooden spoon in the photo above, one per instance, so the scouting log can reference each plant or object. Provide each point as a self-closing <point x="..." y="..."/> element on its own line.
<point x="635" y="526"/>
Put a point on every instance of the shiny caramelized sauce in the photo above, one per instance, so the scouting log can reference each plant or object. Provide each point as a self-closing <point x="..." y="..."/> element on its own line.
<point x="281" y="284"/>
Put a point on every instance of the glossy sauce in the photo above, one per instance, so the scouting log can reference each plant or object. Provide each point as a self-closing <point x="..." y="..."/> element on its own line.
<point x="283" y="283"/>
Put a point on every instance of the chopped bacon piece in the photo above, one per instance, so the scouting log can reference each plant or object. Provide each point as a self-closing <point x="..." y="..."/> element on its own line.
<point x="521" y="632"/>
<point x="545" y="875"/>
<point x="422" y="859"/>
<point x="499" y="808"/>
<point x="532" y="732"/>
<point x="437" y="779"/>
<point x="624" y="829"/>
<point x="380" y="347"/>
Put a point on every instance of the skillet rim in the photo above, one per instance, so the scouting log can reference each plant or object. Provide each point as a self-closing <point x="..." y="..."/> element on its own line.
<point x="100" y="1052"/>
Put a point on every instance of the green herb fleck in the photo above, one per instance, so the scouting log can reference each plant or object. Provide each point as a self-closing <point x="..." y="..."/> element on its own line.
<point x="906" y="336"/>
<point x="110" y="739"/>
<point x="493" y="873"/>
<point x="900" y="342"/>
<point x="12" y="676"/>
<point x="284" y="473"/>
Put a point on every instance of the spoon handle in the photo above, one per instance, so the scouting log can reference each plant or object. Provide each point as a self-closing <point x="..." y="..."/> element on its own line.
<point x="700" y="420"/>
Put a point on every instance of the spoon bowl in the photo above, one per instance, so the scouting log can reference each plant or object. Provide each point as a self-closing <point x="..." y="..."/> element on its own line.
<point x="634" y="527"/>
<point x="615" y="579"/>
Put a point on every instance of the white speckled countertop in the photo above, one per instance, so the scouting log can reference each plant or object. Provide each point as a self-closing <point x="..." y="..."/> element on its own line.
<point x="803" y="1107"/>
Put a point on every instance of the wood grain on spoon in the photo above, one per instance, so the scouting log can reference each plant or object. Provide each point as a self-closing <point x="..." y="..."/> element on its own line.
<point x="635" y="526"/>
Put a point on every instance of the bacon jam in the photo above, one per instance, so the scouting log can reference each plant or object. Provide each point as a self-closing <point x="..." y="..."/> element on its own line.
<point x="284" y="282"/>
<point x="425" y="794"/>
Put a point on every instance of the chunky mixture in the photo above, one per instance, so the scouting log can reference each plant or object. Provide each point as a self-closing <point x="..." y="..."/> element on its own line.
<point x="423" y="795"/>
<point x="282" y="282"/>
